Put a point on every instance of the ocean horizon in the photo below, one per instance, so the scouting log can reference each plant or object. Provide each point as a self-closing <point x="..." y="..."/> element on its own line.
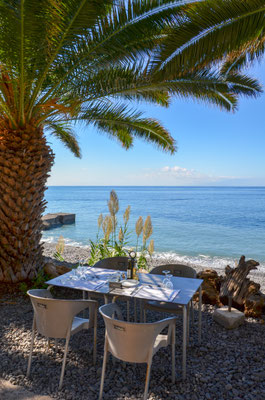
<point x="204" y="225"/>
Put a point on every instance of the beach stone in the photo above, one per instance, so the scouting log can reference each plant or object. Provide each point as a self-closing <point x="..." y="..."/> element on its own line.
<point x="254" y="305"/>
<point x="230" y="320"/>
<point x="210" y="287"/>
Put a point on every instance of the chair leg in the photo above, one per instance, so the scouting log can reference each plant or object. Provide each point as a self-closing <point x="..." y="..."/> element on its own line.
<point x="95" y="341"/>
<point x="103" y="370"/>
<point x="64" y="361"/>
<point x="188" y="325"/>
<point x="147" y="379"/>
<point x="192" y="312"/>
<point x="31" y="346"/>
<point x="173" y="353"/>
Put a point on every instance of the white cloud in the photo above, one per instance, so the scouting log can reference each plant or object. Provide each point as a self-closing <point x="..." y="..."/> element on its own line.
<point x="177" y="175"/>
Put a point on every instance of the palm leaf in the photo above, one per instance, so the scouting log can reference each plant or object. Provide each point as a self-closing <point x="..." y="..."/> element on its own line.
<point x="65" y="134"/>
<point x="121" y="122"/>
<point x="213" y="29"/>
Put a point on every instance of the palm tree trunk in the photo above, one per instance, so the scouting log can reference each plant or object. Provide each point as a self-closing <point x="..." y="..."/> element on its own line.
<point x="25" y="161"/>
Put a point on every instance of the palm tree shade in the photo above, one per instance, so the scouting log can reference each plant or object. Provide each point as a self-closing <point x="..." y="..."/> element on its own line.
<point x="64" y="61"/>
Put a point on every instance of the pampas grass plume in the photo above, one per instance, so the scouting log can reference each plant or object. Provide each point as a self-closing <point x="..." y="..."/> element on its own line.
<point x="126" y="214"/>
<point x="105" y="224"/>
<point x="121" y="235"/>
<point x="100" y="220"/>
<point x="60" y="245"/>
<point x="139" y="226"/>
<point x="147" y="229"/>
<point x="151" y="247"/>
<point x="113" y="203"/>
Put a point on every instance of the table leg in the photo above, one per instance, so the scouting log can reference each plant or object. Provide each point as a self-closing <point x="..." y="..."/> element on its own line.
<point x="184" y="346"/>
<point x="84" y="298"/>
<point x="141" y="310"/>
<point x="106" y="300"/>
<point x="135" y="310"/>
<point x="200" y="314"/>
<point x="188" y="324"/>
<point x="128" y="310"/>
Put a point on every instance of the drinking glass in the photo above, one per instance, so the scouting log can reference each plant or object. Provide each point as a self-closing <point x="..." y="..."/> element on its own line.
<point x="169" y="284"/>
<point x="165" y="280"/>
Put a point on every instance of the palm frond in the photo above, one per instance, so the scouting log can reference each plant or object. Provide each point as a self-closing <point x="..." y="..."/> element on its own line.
<point x="121" y="122"/>
<point x="213" y="28"/>
<point x="65" y="133"/>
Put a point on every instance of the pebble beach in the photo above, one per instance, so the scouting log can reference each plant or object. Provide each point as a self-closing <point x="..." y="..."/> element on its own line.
<point x="73" y="254"/>
<point x="227" y="364"/>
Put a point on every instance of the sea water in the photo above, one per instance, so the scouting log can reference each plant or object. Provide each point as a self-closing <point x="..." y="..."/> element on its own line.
<point x="197" y="225"/>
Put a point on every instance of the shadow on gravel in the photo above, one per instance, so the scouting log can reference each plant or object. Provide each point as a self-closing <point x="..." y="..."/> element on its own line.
<point x="227" y="365"/>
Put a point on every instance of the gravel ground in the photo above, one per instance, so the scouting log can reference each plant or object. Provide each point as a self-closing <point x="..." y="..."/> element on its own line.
<point x="227" y="365"/>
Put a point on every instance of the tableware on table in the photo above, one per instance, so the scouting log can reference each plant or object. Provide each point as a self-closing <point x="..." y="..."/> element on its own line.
<point x="82" y="262"/>
<point x="166" y="272"/>
<point x="169" y="284"/>
<point x="128" y="283"/>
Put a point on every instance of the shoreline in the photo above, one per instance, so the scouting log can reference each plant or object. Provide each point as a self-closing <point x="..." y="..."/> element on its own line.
<point x="72" y="254"/>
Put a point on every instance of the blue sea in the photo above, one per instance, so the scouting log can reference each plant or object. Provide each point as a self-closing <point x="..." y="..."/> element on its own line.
<point x="197" y="225"/>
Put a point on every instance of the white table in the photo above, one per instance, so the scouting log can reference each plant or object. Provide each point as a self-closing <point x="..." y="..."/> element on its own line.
<point x="187" y="288"/>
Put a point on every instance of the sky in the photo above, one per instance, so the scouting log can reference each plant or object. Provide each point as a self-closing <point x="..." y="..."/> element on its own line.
<point x="215" y="148"/>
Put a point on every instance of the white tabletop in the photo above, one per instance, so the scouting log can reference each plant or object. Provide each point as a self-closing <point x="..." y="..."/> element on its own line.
<point x="95" y="280"/>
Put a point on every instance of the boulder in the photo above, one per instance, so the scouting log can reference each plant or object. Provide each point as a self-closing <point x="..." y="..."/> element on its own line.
<point x="210" y="287"/>
<point x="255" y="305"/>
<point x="54" y="270"/>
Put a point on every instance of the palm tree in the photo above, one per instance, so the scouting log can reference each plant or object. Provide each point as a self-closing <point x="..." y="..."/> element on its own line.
<point x="64" y="61"/>
<point x="227" y="33"/>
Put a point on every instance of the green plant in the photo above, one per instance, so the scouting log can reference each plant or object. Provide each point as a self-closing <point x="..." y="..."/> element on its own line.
<point x="37" y="283"/>
<point x="113" y="244"/>
<point x="59" y="249"/>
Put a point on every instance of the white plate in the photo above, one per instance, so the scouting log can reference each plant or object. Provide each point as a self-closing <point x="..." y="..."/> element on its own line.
<point x="129" y="283"/>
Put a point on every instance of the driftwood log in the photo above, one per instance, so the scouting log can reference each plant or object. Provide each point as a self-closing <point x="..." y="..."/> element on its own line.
<point x="236" y="284"/>
<point x="244" y="293"/>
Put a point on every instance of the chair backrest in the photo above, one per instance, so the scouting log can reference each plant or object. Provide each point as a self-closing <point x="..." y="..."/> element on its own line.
<point x="54" y="317"/>
<point x="129" y="341"/>
<point x="117" y="263"/>
<point x="181" y="270"/>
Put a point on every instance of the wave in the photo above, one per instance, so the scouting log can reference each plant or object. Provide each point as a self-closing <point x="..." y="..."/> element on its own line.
<point x="68" y="242"/>
<point x="204" y="261"/>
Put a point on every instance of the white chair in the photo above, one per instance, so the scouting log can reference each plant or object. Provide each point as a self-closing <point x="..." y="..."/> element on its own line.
<point x="135" y="342"/>
<point x="56" y="318"/>
<point x="179" y="270"/>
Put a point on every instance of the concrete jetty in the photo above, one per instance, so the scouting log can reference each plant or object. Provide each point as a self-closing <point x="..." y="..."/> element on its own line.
<point x="55" y="220"/>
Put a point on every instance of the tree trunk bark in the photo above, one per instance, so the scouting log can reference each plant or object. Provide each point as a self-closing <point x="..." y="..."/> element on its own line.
<point x="25" y="160"/>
